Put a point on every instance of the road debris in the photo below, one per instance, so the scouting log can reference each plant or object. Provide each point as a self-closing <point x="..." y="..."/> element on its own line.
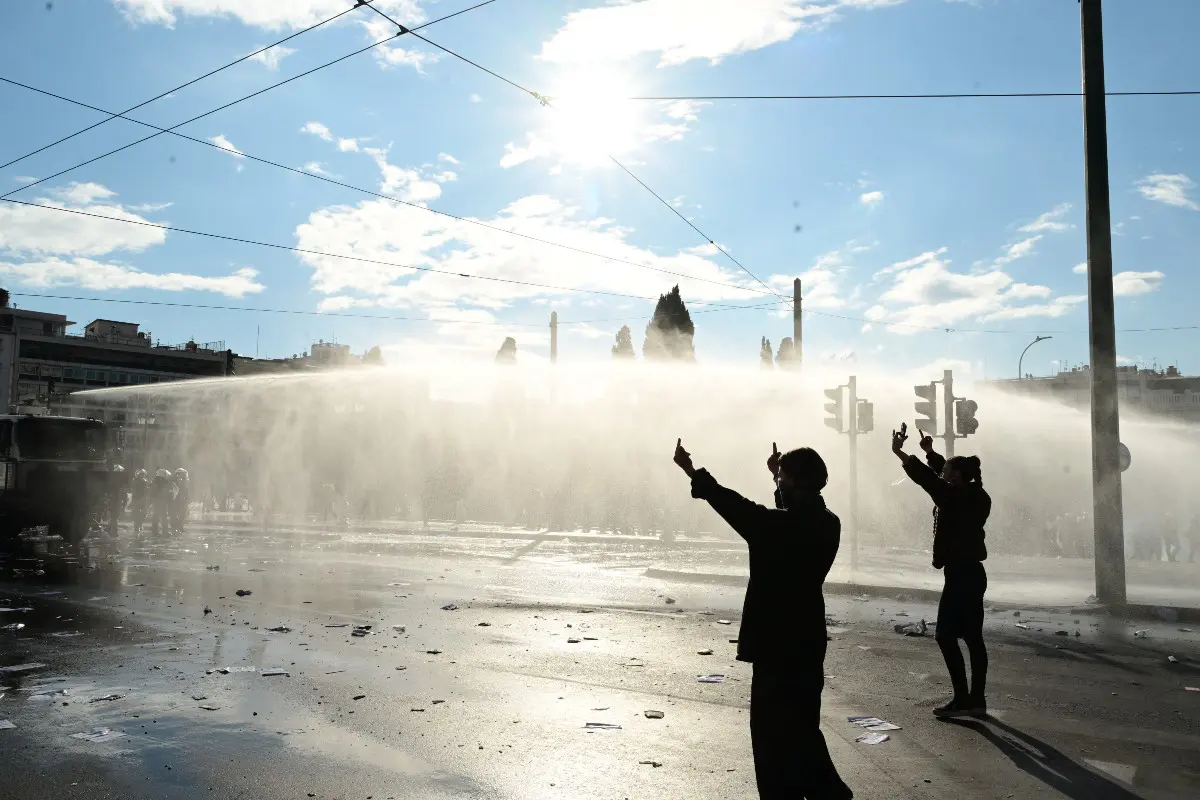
<point x="654" y="714"/>
<point x="272" y="672"/>
<point x="359" y="697"/>
<point x="15" y="610"/>
<point x="402" y="629"/>
<point x="710" y="678"/>
<point x="199" y="697"/>
<point x="106" y="697"/>
<point x="209" y="708"/>
<point x="873" y="723"/>
<point x="207" y="611"/>
<point x="1062" y="633"/>
<point x="1022" y="626"/>
<point x="670" y="601"/>
<point x="705" y="652"/>
<point x="244" y="592"/>
<point x="98" y="735"/>
<point x="483" y="625"/>
<point x="573" y="641"/>
<point x="724" y="622"/>
<point x="227" y="670"/>
<point x="913" y="628"/>
<point x="437" y="702"/>
<point x="449" y="607"/>
<point x="1191" y="688"/>
<point x="433" y="652"/>
<point x="655" y="764"/>
<point x="280" y="629"/>
<point x="5" y="725"/>
<point x="872" y="738"/>
<point x="338" y="625"/>
<point x="601" y="726"/>
<point x="1142" y="634"/>
<point x="212" y="567"/>
<point x="360" y="630"/>
<point x="1173" y="659"/>
<point x="16" y="626"/>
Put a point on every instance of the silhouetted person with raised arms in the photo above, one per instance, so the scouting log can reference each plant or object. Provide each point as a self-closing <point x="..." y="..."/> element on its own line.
<point x="961" y="508"/>
<point x="792" y="547"/>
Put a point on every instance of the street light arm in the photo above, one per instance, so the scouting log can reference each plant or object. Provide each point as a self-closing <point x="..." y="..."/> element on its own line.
<point x="1021" y="360"/>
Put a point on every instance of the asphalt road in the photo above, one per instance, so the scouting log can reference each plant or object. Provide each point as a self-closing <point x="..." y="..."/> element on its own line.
<point x="544" y="640"/>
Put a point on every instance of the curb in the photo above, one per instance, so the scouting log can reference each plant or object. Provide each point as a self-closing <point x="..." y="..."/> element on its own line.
<point x="1138" y="611"/>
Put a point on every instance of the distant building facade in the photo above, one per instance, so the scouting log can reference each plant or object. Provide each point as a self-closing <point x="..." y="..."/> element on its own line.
<point x="1148" y="391"/>
<point x="42" y="366"/>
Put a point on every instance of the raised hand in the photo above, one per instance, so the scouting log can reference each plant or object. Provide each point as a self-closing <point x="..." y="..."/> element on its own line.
<point x="926" y="442"/>
<point x="899" y="438"/>
<point x="773" y="461"/>
<point x="684" y="459"/>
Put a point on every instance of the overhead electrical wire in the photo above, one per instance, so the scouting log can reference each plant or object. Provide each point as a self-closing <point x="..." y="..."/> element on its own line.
<point x="930" y="96"/>
<point x="325" y="254"/>
<point x="546" y="101"/>
<point x="371" y="193"/>
<point x="160" y="132"/>
<point x="298" y="312"/>
<point x="208" y="74"/>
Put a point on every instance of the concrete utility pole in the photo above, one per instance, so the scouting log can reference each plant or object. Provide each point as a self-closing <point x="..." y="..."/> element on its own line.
<point x="553" y="337"/>
<point x="797" y="323"/>
<point x="1107" y="511"/>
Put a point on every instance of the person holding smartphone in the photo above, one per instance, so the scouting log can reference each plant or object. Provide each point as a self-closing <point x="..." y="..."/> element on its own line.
<point x="961" y="509"/>
<point x="792" y="547"/>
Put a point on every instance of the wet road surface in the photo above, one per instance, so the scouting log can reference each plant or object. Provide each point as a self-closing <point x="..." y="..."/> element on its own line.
<point x="490" y="699"/>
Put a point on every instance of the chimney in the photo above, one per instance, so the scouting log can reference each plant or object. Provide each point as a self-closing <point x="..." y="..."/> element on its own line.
<point x="553" y="337"/>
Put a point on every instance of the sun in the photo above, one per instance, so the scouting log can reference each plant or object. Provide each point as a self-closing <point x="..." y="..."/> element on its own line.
<point x="591" y="117"/>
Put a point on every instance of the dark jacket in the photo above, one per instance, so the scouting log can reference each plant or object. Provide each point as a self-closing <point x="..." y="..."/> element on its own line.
<point x="791" y="551"/>
<point x="959" y="513"/>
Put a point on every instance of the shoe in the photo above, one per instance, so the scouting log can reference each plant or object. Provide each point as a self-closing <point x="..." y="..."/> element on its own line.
<point x="955" y="708"/>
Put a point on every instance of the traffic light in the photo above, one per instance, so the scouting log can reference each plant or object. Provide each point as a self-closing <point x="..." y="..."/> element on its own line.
<point x="834" y="408"/>
<point x="927" y="407"/>
<point x="50" y="385"/>
<point x="964" y="416"/>
<point x="866" y="416"/>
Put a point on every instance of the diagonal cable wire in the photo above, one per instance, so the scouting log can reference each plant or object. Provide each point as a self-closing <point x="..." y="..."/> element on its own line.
<point x="242" y="99"/>
<point x="208" y="74"/>
<point x="545" y="101"/>
<point x="930" y="96"/>
<point x="350" y="315"/>
<point x="325" y="254"/>
<point x="391" y="198"/>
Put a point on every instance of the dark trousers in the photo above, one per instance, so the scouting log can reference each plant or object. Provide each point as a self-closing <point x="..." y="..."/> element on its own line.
<point x="791" y="759"/>
<point x="960" y="616"/>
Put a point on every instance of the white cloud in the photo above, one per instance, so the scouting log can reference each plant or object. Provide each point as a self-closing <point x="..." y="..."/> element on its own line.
<point x="535" y="147"/>
<point x="1128" y="361"/>
<point x="146" y="208"/>
<point x="318" y="129"/>
<point x="271" y="58"/>
<point x="820" y="283"/>
<point x="1080" y="269"/>
<point x="267" y="14"/>
<point x="926" y="293"/>
<point x="1050" y="222"/>
<point x="82" y="193"/>
<point x="445" y="176"/>
<point x="405" y="183"/>
<point x="678" y="31"/>
<point x="220" y="141"/>
<point x="380" y="230"/>
<point x="449" y="159"/>
<point x="474" y="98"/>
<point x="100" y="276"/>
<point x="1173" y="190"/>
<point x="321" y="131"/>
<point x="32" y="231"/>
<point x="871" y="199"/>
<point x="315" y="168"/>
<point x="1020" y="249"/>
<point x="685" y="109"/>
<point x="1127" y="284"/>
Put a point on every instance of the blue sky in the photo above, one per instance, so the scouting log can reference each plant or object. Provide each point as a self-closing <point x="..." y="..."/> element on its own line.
<point x="912" y="214"/>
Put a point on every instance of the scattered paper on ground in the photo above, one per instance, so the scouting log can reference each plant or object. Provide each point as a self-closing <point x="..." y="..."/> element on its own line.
<point x="872" y="738"/>
<point x="98" y="735"/>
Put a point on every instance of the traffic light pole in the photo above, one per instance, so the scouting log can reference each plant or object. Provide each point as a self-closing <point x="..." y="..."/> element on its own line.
<point x="852" y="426"/>
<point x="1106" y="469"/>
<point x="948" y="410"/>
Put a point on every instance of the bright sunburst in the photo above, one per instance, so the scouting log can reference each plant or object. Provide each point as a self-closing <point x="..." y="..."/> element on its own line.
<point x="591" y="118"/>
